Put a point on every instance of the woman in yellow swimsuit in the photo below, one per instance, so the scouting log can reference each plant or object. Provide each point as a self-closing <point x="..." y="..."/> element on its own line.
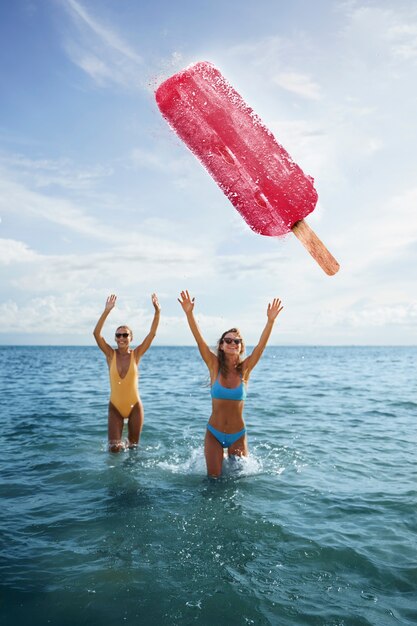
<point x="125" y="402"/>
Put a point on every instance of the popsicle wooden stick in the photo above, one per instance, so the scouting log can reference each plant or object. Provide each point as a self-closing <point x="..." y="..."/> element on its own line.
<point x="315" y="247"/>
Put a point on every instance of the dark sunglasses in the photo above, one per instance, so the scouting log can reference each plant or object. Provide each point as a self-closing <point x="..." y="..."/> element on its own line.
<point x="125" y="335"/>
<point x="228" y="340"/>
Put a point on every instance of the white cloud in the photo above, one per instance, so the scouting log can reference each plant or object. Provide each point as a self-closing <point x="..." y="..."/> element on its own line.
<point x="389" y="31"/>
<point x="19" y="200"/>
<point x="348" y="127"/>
<point x="374" y="316"/>
<point x="385" y="234"/>
<point x="300" y="84"/>
<point x="239" y="267"/>
<point x="403" y="38"/>
<point x="106" y="35"/>
<point x="12" y="251"/>
<point x="399" y="219"/>
<point x="99" y="51"/>
<point x="124" y="267"/>
<point x="42" y="173"/>
<point x="47" y="314"/>
<point x="99" y="71"/>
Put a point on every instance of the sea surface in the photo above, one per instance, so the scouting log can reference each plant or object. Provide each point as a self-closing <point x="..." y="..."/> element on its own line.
<point x="317" y="527"/>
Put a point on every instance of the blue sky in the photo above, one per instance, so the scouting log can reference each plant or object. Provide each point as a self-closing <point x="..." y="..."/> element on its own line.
<point x="98" y="196"/>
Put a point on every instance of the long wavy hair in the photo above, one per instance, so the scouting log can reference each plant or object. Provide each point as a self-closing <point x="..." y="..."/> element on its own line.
<point x="224" y="370"/>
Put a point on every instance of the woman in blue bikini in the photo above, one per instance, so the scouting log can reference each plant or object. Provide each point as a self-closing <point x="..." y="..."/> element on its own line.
<point x="229" y="374"/>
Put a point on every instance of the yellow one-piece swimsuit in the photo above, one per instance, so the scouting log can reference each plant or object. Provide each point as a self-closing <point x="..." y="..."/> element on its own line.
<point x="124" y="392"/>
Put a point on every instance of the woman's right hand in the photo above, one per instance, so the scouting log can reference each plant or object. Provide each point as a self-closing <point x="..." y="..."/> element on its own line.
<point x="110" y="302"/>
<point x="186" y="302"/>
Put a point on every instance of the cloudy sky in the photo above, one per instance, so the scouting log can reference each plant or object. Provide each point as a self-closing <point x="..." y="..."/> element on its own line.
<point x="98" y="196"/>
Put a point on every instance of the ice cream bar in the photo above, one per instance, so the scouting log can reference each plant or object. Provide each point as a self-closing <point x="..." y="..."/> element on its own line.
<point x="269" y="190"/>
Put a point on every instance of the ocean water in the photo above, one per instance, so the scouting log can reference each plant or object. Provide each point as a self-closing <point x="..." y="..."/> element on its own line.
<point x="318" y="526"/>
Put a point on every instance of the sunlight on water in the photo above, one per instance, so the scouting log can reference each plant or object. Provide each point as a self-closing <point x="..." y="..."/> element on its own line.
<point x="193" y="464"/>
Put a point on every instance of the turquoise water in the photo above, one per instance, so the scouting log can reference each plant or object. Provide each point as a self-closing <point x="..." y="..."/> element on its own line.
<point x="317" y="527"/>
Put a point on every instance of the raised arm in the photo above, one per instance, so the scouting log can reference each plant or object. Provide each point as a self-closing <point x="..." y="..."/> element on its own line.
<point x="141" y="349"/>
<point x="207" y="355"/>
<point x="101" y="342"/>
<point x="272" y="313"/>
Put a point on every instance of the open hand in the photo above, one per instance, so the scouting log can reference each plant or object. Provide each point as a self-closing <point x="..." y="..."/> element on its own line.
<point x="155" y="302"/>
<point x="274" y="309"/>
<point x="110" y="302"/>
<point x="186" y="302"/>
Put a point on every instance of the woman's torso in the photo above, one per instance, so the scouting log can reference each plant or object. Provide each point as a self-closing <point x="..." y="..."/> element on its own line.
<point x="228" y="400"/>
<point x="121" y="361"/>
<point x="123" y="371"/>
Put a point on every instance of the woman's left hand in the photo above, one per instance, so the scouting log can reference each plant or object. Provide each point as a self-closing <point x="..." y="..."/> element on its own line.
<point x="155" y="303"/>
<point x="186" y="301"/>
<point x="274" y="309"/>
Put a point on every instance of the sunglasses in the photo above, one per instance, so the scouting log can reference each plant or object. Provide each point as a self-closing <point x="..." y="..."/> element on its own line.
<point x="125" y="335"/>
<point x="228" y="340"/>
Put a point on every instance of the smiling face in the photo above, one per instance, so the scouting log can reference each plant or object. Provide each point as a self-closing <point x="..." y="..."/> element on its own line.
<point x="123" y="336"/>
<point x="231" y="342"/>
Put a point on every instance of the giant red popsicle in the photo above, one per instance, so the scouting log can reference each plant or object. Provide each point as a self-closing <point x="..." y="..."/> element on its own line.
<point x="269" y="190"/>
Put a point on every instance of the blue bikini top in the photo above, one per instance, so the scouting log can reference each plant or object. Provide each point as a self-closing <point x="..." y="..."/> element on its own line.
<point x="224" y="393"/>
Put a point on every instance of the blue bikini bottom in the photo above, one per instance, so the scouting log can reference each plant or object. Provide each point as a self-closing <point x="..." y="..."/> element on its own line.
<point x="226" y="439"/>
